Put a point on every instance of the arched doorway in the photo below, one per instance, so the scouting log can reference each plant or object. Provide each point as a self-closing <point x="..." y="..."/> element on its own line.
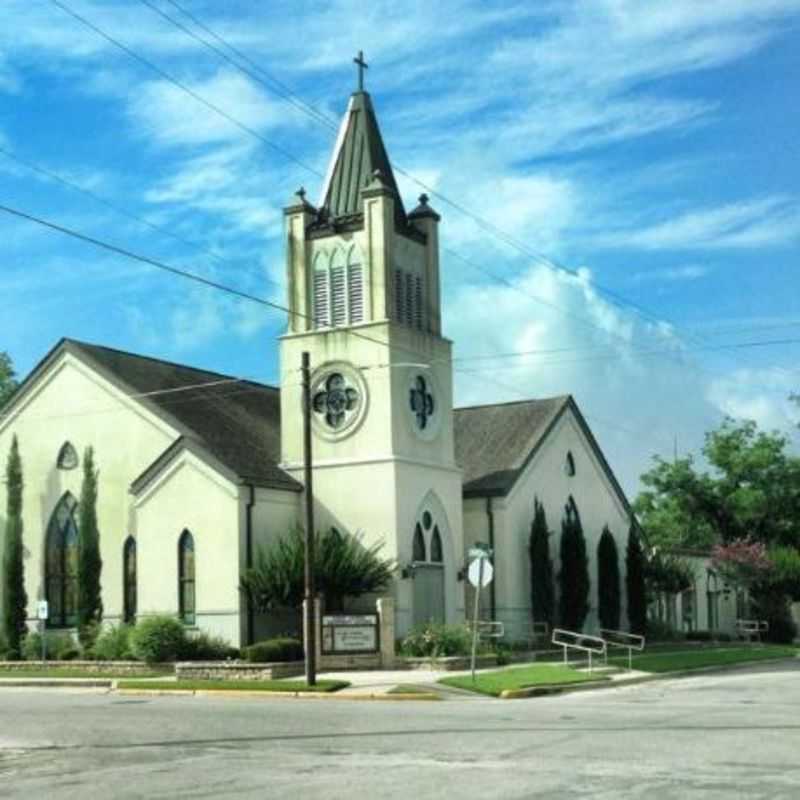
<point x="429" y="569"/>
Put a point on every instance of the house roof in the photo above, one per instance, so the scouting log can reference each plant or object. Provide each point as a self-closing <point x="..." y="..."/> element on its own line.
<point x="358" y="154"/>
<point x="495" y="442"/>
<point x="236" y="422"/>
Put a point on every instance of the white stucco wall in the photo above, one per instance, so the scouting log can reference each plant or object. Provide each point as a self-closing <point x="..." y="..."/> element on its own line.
<point x="72" y="403"/>
<point x="545" y="478"/>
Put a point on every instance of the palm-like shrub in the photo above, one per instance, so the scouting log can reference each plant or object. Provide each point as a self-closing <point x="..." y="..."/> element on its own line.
<point x="608" y="588"/>
<point x="343" y="568"/>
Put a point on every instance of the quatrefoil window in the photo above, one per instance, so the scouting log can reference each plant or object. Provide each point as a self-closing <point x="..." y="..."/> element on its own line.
<point x="422" y="404"/>
<point x="336" y="402"/>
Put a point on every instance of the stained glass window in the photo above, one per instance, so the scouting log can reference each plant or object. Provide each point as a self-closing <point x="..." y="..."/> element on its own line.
<point x="336" y="401"/>
<point x="418" y="550"/>
<point x="186" y="580"/>
<point x="421" y="402"/>
<point x="129" y="580"/>
<point x="436" y="546"/>
<point x="61" y="564"/>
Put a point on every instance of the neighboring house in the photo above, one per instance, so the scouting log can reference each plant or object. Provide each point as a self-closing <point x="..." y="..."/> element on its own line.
<point x="198" y="470"/>
<point x="708" y="604"/>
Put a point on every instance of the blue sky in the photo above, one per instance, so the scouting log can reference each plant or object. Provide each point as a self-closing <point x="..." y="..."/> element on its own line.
<point x="649" y="149"/>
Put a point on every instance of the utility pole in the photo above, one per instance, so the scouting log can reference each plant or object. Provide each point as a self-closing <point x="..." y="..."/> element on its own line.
<point x="311" y="633"/>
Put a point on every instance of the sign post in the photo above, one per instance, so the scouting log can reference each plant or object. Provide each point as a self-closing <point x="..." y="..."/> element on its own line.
<point x="42" y="612"/>
<point x="479" y="574"/>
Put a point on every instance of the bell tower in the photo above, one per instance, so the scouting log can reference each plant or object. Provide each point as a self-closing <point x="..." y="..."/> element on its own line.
<point x="364" y="296"/>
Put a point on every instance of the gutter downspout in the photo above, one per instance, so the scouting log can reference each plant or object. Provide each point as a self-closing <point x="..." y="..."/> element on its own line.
<point x="248" y="555"/>
<point x="492" y="594"/>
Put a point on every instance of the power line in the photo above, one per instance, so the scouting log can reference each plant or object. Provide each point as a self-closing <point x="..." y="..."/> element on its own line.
<point x="290" y="96"/>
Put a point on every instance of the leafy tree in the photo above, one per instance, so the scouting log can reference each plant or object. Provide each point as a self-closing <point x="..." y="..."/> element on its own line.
<point x="15" y="600"/>
<point x="664" y="572"/>
<point x="542" y="588"/>
<point x="786" y="571"/>
<point x="574" y="574"/>
<point x="608" y="587"/>
<point x="90" y="565"/>
<point x="8" y="382"/>
<point x="343" y="567"/>
<point x="635" y="584"/>
<point x="752" y="491"/>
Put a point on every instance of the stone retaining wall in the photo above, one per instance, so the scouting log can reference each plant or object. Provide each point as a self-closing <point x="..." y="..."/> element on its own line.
<point x="448" y="663"/>
<point x="238" y="670"/>
<point x="118" y="667"/>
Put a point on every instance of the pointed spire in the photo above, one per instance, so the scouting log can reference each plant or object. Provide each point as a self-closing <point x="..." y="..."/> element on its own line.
<point x="358" y="155"/>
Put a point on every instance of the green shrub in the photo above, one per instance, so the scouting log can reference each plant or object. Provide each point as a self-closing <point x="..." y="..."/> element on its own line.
<point x="281" y="648"/>
<point x="699" y="636"/>
<point x="660" y="631"/>
<point x="774" y="608"/>
<point x="203" y="647"/>
<point x="59" y="646"/>
<point x="437" y="640"/>
<point x="157" y="639"/>
<point x="113" y="644"/>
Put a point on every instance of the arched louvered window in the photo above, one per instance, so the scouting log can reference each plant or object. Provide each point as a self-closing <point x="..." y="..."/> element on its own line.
<point x="61" y="564"/>
<point x="418" y="549"/>
<point x="129" y="580"/>
<point x="338" y="288"/>
<point x="67" y="457"/>
<point x="186" y="580"/>
<point x="436" y="546"/>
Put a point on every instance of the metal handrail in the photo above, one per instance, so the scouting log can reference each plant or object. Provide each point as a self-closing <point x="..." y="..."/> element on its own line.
<point x="579" y="641"/>
<point x="627" y="641"/>
<point x="752" y="627"/>
<point x="489" y="628"/>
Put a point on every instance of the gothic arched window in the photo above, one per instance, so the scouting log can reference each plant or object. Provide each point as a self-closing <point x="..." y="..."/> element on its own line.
<point x="569" y="466"/>
<point x="61" y="564"/>
<point x="67" y="457"/>
<point x="186" y="582"/>
<point x="418" y="548"/>
<point x="436" y="546"/>
<point x="129" y="580"/>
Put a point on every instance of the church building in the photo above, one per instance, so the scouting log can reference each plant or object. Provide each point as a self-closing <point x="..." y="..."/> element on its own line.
<point x="198" y="470"/>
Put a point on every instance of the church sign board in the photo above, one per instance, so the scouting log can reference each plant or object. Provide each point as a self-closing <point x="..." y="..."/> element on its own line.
<point x="350" y="634"/>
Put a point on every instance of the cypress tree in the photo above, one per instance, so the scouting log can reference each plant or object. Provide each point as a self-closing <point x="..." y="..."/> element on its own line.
<point x="574" y="574"/>
<point x="542" y="589"/>
<point x="634" y="584"/>
<point x="90" y="605"/>
<point x="608" y="588"/>
<point x="15" y="601"/>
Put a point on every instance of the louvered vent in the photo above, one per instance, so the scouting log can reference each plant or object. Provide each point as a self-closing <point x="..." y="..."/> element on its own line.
<point x="418" y="316"/>
<point x="409" y="303"/>
<point x="398" y="295"/>
<point x="355" y="292"/>
<point x="338" y="296"/>
<point x="322" y="317"/>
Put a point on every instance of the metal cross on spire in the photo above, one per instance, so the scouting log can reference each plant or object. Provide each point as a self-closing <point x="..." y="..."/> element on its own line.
<point x="362" y="65"/>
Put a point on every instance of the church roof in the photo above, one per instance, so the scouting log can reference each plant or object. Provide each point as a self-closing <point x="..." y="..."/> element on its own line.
<point x="495" y="442"/>
<point x="359" y="152"/>
<point x="238" y="423"/>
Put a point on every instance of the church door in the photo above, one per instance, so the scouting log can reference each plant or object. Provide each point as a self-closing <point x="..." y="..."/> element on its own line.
<point x="428" y="564"/>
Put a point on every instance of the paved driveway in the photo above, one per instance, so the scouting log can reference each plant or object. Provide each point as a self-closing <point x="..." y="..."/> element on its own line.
<point x="726" y="736"/>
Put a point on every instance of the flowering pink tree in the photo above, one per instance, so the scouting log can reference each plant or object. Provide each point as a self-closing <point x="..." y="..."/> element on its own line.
<point x="742" y="563"/>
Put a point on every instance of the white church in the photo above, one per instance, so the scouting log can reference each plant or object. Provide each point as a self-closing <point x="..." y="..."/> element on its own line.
<point x="198" y="471"/>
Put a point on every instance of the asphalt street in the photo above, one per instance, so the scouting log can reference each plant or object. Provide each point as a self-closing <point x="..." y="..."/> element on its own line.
<point x="723" y="736"/>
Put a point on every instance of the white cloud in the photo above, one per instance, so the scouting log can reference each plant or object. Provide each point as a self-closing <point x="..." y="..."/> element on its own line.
<point x="166" y="114"/>
<point x="762" y="222"/>
<point x="687" y="272"/>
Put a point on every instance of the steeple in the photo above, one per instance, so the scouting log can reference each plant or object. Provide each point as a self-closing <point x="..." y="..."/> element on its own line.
<point x="359" y="154"/>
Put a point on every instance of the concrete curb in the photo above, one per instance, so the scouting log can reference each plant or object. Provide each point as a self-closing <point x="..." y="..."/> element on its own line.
<point x="251" y="693"/>
<point x="57" y="683"/>
<point x="541" y="691"/>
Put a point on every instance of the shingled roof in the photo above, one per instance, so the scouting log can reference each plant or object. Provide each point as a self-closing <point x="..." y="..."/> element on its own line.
<point x="495" y="442"/>
<point x="359" y="152"/>
<point x="237" y="422"/>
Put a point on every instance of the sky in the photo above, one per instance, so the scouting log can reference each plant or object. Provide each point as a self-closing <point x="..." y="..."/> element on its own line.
<point x="618" y="184"/>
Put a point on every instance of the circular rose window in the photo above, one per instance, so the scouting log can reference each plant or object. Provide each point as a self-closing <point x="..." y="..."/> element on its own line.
<point x="338" y="400"/>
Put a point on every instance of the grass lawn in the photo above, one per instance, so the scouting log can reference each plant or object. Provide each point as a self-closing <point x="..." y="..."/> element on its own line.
<point x="237" y="686"/>
<point x="705" y="657"/>
<point x="493" y="683"/>
<point x="66" y="672"/>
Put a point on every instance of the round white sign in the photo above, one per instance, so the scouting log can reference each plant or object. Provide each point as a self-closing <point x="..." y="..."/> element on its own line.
<point x="474" y="574"/>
